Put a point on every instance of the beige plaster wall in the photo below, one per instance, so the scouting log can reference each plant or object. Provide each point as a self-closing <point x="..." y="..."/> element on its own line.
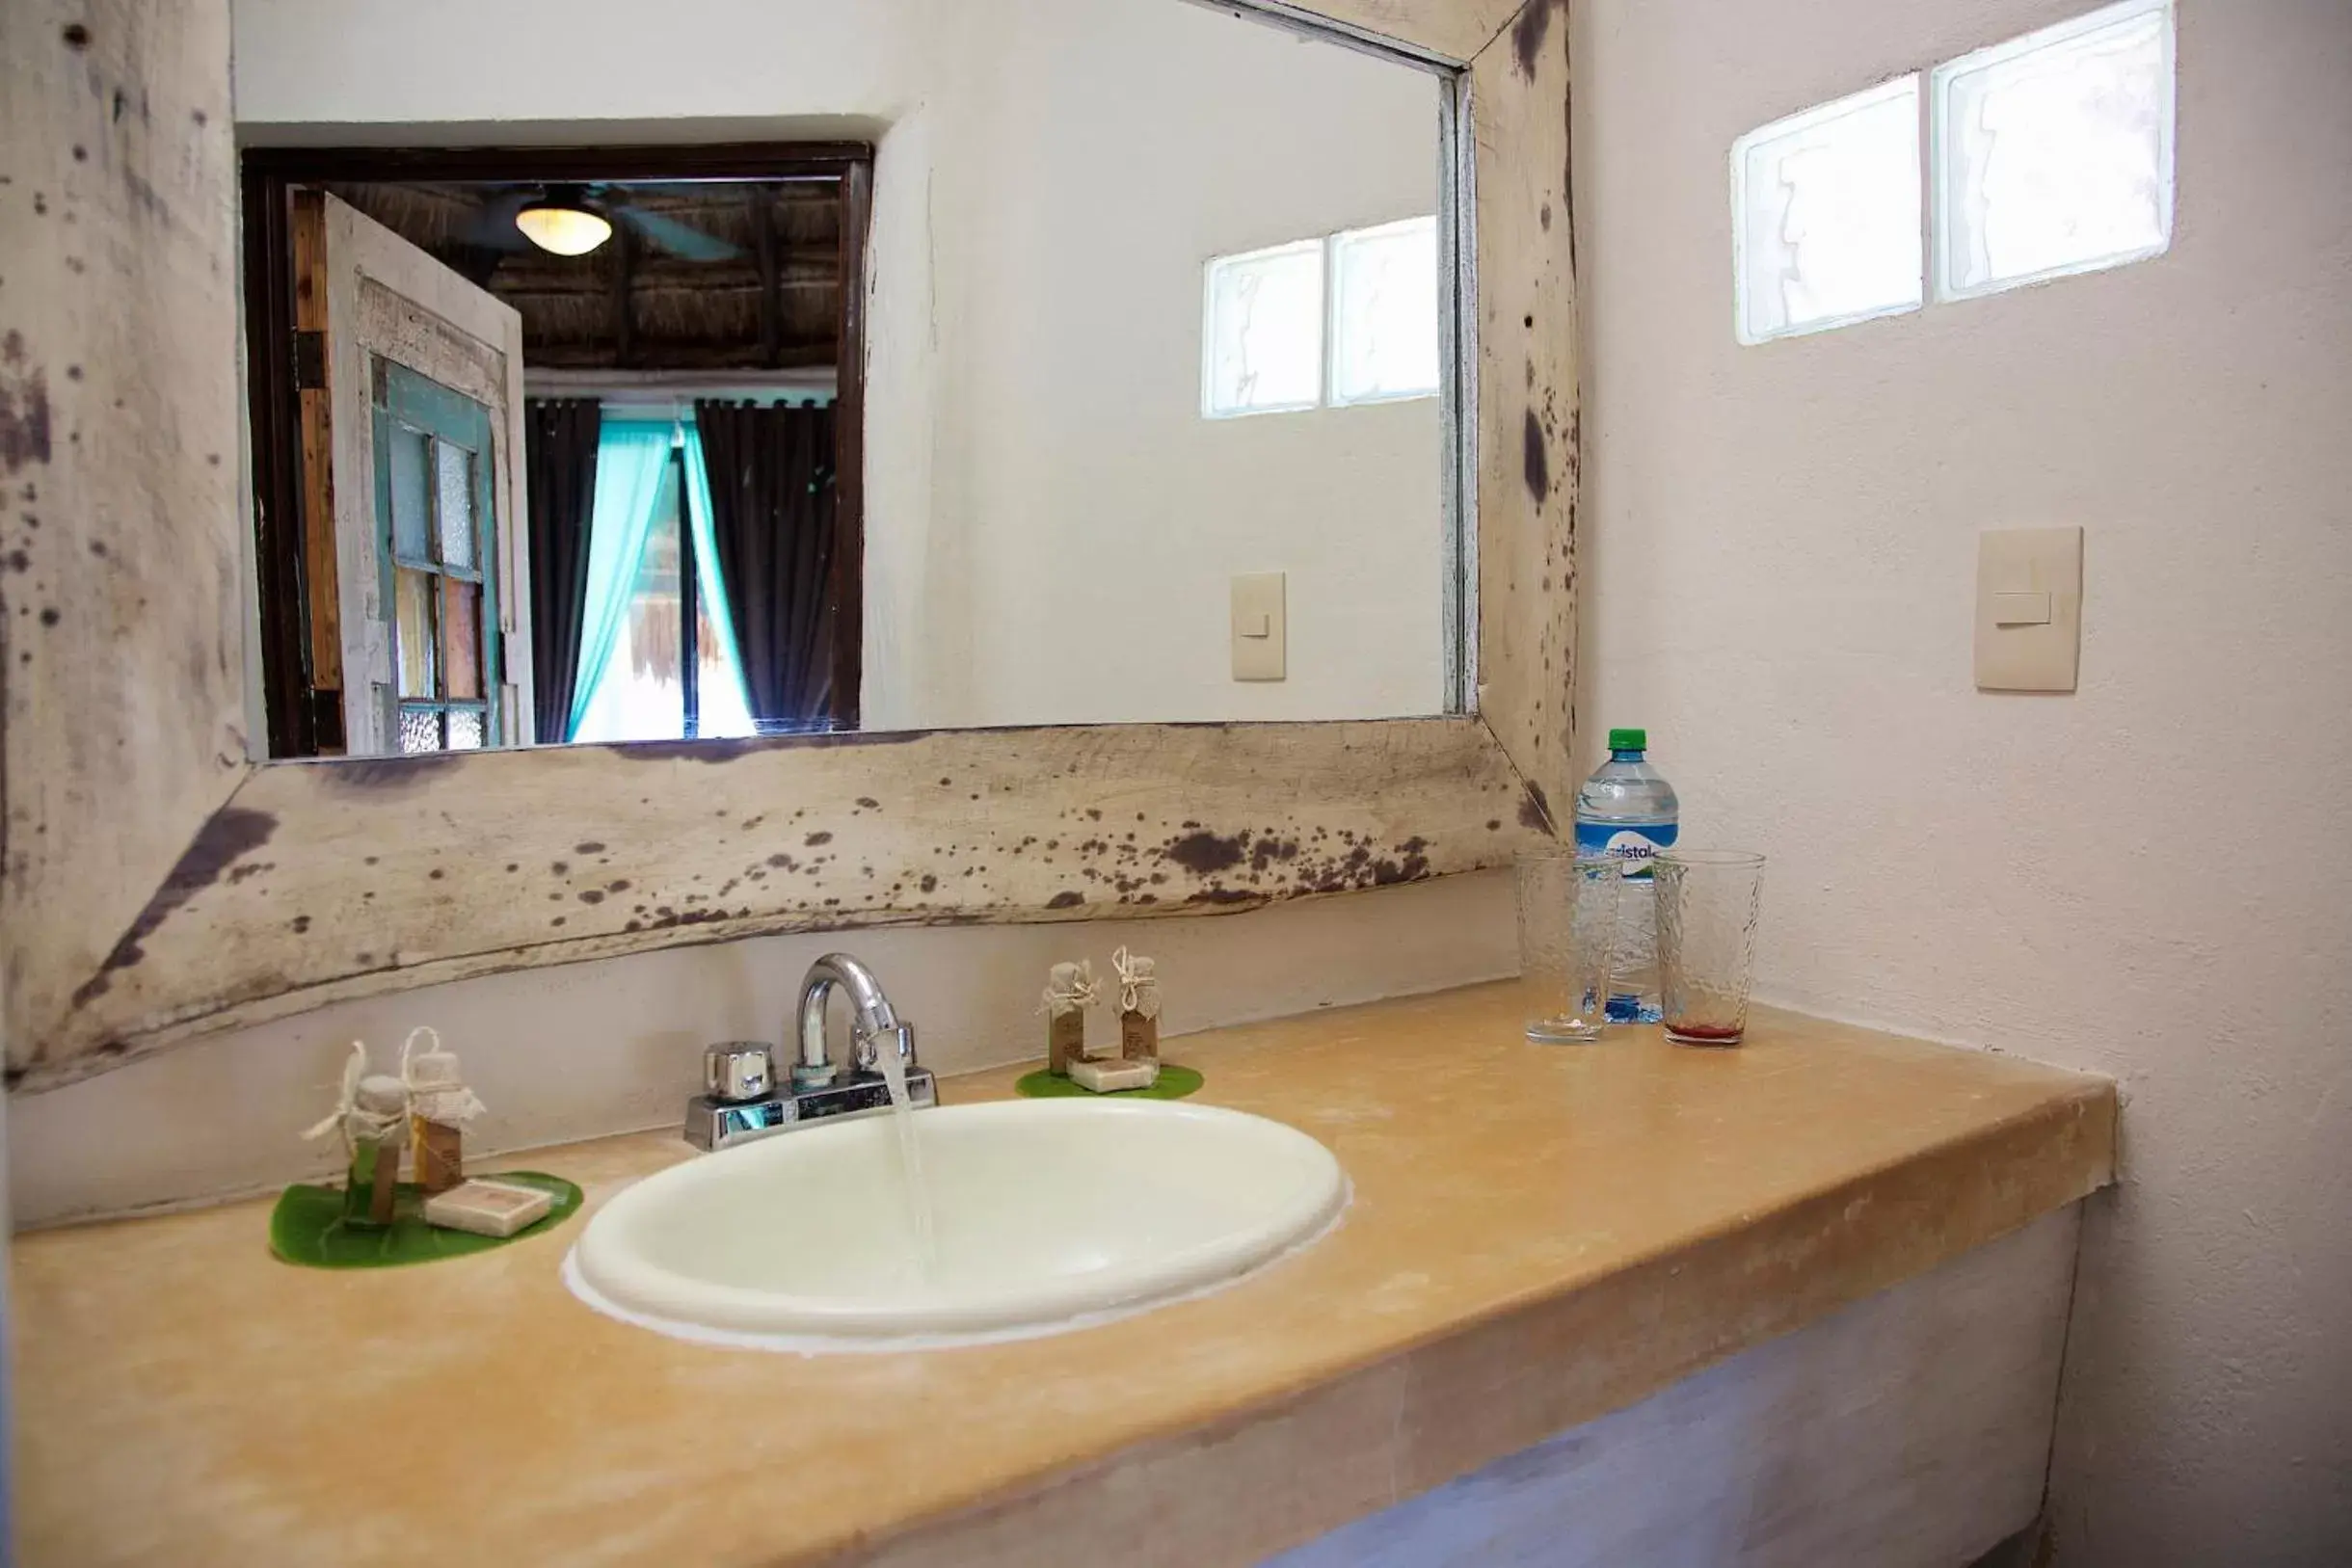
<point x="2147" y="879"/>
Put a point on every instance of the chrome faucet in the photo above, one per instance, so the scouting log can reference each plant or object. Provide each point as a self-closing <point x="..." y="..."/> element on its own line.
<point x="874" y="1025"/>
<point x="742" y="1099"/>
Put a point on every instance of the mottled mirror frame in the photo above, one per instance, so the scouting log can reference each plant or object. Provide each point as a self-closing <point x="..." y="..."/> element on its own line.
<point x="157" y="882"/>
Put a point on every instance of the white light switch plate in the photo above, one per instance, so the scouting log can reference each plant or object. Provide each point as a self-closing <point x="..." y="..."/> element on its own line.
<point x="2028" y="609"/>
<point x="1261" y="641"/>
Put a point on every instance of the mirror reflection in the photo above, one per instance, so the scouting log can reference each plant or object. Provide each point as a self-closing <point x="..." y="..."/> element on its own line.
<point x="1098" y="378"/>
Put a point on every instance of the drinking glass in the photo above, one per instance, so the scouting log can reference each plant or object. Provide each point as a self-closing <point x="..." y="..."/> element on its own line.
<point x="1708" y="900"/>
<point x="1568" y="928"/>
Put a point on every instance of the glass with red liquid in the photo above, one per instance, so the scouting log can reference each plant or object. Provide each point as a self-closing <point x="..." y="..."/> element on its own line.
<point x="1708" y="900"/>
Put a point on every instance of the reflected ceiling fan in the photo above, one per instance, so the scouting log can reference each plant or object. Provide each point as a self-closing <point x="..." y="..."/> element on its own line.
<point x="573" y="220"/>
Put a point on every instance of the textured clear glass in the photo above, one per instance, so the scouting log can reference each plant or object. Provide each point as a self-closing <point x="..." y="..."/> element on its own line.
<point x="2054" y="151"/>
<point x="1385" y="313"/>
<point x="464" y="729"/>
<point x="1708" y="902"/>
<point x="412" y="494"/>
<point x="413" y="632"/>
<point x="421" y="730"/>
<point x="1826" y="214"/>
<point x="1567" y="929"/>
<point x="453" y="485"/>
<point x="1263" y="331"/>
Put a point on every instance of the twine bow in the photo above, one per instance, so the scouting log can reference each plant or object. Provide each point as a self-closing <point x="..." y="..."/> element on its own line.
<point x="435" y="1089"/>
<point x="372" y="1122"/>
<point x="1138" y="983"/>
<point x="1070" y="987"/>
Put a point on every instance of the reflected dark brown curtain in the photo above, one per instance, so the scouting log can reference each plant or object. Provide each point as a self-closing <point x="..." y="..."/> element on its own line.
<point x="559" y="436"/>
<point x="773" y="505"/>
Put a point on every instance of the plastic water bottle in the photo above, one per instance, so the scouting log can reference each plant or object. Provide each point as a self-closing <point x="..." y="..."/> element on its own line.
<point x="1627" y="812"/>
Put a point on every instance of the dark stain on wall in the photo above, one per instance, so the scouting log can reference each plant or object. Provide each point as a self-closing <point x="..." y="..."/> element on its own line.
<point x="231" y="834"/>
<point x="1205" y="854"/>
<point x="1538" y="461"/>
<point x="1528" y="35"/>
<point x="24" y="406"/>
<point x="389" y="774"/>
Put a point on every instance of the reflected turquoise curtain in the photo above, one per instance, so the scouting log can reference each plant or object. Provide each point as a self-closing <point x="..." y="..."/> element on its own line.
<point x="713" y="581"/>
<point x="629" y="458"/>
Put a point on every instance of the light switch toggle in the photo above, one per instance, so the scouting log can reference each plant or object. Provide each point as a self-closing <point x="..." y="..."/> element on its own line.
<point x="1260" y="638"/>
<point x="2020" y="609"/>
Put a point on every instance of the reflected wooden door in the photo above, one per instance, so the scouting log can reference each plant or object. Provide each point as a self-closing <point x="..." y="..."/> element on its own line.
<point x="416" y="560"/>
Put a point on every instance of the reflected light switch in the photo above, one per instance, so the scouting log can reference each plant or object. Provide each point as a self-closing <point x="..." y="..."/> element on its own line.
<point x="2028" y="609"/>
<point x="1260" y="639"/>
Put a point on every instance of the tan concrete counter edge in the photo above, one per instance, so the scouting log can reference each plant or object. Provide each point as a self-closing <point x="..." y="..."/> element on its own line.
<point x="1539" y="1236"/>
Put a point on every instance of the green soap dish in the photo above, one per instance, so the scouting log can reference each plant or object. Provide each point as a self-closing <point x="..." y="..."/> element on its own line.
<point x="1173" y="1083"/>
<point x="307" y="1227"/>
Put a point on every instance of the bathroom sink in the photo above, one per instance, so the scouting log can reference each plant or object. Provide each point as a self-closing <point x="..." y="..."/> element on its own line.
<point x="1044" y="1215"/>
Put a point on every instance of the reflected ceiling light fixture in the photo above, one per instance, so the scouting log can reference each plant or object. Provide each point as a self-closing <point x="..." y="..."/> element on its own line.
<point x="564" y="220"/>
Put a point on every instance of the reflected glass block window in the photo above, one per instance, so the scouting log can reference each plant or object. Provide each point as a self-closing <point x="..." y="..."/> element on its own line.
<point x="1825" y="215"/>
<point x="1262" y="333"/>
<point x="421" y="730"/>
<point x="1385" y="313"/>
<point x="2054" y="151"/>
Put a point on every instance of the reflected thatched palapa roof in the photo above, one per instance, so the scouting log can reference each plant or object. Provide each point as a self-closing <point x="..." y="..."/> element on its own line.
<point x="632" y="304"/>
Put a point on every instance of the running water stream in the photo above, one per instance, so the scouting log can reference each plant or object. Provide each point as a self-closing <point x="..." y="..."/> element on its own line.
<point x="910" y="1160"/>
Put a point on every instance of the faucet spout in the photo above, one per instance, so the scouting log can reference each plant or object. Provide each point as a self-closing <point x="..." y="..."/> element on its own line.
<point x="874" y="1021"/>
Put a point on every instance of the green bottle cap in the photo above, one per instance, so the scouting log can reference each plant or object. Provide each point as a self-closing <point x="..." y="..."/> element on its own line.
<point x="1629" y="740"/>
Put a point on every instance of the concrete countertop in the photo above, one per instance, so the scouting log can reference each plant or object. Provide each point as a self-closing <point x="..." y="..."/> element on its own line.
<point x="1538" y="1235"/>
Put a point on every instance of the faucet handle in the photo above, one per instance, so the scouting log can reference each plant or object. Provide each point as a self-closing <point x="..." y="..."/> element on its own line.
<point x="735" y="1071"/>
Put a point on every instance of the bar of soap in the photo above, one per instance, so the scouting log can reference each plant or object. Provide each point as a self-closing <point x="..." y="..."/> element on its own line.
<point x="487" y="1208"/>
<point x="1105" y="1077"/>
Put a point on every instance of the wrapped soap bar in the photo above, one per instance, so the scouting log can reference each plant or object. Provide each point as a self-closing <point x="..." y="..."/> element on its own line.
<point x="496" y="1208"/>
<point x="1111" y="1073"/>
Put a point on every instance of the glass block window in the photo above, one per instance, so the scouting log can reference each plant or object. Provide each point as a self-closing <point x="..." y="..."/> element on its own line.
<point x="1384" y="306"/>
<point x="1825" y="215"/>
<point x="2054" y="151"/>
<point x="1262" y="335"/>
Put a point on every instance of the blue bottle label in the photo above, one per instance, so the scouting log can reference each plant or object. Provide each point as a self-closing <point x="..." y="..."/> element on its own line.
<point x="1634" y="846"/>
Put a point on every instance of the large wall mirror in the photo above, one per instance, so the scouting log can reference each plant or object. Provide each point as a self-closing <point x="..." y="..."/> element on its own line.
<point x="950" y="461"/>
<point x="1171" y="313"/>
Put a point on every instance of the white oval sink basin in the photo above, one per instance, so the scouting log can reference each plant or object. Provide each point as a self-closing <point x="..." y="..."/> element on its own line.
<point x="1045" y="1214"/>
